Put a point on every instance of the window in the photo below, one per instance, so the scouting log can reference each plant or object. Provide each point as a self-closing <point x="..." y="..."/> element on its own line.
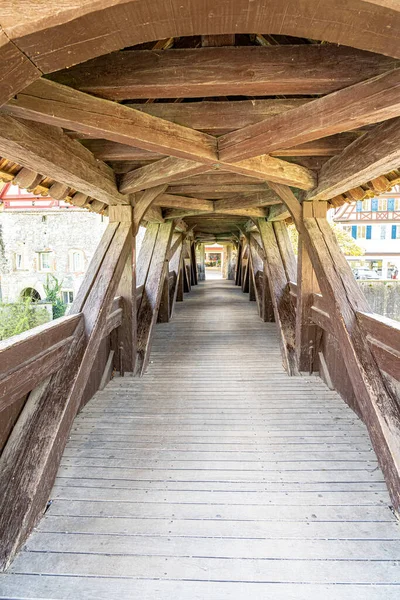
<point x="67" y="296"/>
<point x="359" y="206"/>
<point x="383" y="232"/>
<point x="19" y="261"/>
<point x="45" y="261"/>
<point x="347" y="229"/>
<point x="382" y="204"/>
<point x="395" y="232"/>
<point x="361" y="232"/>
<point x="76" y="261"/>
<point x="397" y="204"/>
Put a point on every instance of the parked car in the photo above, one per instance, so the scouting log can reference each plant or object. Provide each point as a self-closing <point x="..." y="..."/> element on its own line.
<point x="365" y="273"/>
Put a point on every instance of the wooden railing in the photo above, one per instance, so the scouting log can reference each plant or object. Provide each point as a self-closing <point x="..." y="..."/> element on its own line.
<point x="383" y="334"/>
<point x="30" y="358"/>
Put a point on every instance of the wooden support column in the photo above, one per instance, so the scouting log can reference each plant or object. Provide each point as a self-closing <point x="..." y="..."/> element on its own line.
<point x="123" y="339"/>
<point x="193" y="263"/>
<point x="202" y="270"/>
<point x="275" y="261"/>
<point x="31" y="457"/>
<point x="238" y="272"/>
<point x="175" y="267"/>
<point x="181" y="276"/>
<point x="152" y="292"/>
<point x="345" y="300"/>
<point x="307" y="286"/>
<point x="163" y="311"/>
<point x="252" y="283"/>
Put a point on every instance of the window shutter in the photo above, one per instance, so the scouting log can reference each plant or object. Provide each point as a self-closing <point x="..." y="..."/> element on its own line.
<point x="354" y="231"/>
<point x="394" y="232"/>
<point x="369" y="232"/>
<point x="374" y="204"/>
<point x="390" y="204"/>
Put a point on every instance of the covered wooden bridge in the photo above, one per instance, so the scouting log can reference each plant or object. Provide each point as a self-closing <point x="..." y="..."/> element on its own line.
<point x="223" y="448"/>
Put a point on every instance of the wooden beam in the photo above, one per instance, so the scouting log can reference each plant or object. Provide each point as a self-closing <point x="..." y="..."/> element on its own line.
<point x="280" y="295"/>
<point x="124" y="337"/>
<point x="29" y="358"/>
<point x="274" y="169"/>
<point x="217" y="41"/>
<point x="220" y="117"/>
<point x="154" y="215"/>
<point x="370" y="101"/>
<point x="158" y="173"/>
<point x="344" y="300"/>
<point x="278" y="213"/>
<point x="244" y="71"/>
<point x="256" y="200"/>
<point x="16" y="70"/>
<point x="307" y="287"/>
<point x="148" y="311"/>
<point x="186" y="202"/>
<point x="175" y="267"/>
<point x="55" y="104"/>
<point x="143" y="202"/>
<point x="47" y="150"/>
<point x="373" y="154"/>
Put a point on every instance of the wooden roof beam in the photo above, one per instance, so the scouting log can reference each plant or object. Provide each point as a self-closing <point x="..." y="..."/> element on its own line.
<point x="49" y="151"/>
<point x="54" y="104"/>
<point x="202" y="72"/>
<point x="373" y="154"/>
<point x="370" y="101"/>
<point x="257" y="200"/>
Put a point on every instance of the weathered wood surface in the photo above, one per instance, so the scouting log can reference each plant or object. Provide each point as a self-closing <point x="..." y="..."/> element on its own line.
<point x="16" y="70"/>
<point x="370" y="101"/>
<point x="48" y="150"/>
<point x="29" y="358"/>
<point x="213" y="477"/>
<point x="245" y="71"/>
<point x="152" y="292"/>
<point x="277" y="257"/>
<point x="77" y="33"/>
<point x="373" y="154"/>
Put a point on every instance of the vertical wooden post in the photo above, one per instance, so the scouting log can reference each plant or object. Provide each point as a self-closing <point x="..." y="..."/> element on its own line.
<point x="280" y="295"/>
<point x="176" y="268"/>
<point x="193" y="264"/>
<point x="151" y="297"/>
<point x="124" y="338"/>
<point x="238" y="272"/>
<point x="307" y="285"/>
<point x="202" y="270"/>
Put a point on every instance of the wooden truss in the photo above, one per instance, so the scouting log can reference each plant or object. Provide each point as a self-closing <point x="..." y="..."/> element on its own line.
<point x="235" y="171"/>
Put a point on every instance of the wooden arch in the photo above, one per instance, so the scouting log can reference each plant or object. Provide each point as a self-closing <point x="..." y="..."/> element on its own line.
<point x="38" y="39"/>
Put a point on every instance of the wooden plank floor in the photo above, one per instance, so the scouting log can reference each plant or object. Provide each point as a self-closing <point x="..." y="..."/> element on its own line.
<point x="215" y="476"/>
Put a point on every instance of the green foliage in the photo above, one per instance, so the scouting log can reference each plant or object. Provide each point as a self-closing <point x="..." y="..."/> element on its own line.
<point x="19" y="317"/>
<point x="52" y="288"/>
<point x="347" y="244"/>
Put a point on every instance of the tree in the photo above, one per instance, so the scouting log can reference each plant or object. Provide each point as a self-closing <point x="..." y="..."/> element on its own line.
<point x="20" y="316"/>
<point x="52" y="288"/>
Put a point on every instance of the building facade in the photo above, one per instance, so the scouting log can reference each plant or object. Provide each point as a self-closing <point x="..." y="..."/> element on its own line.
<point x="375" y="225"/>
<point x="42" y="237"/>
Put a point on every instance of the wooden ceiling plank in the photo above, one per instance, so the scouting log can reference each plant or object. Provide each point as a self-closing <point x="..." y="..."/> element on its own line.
<point x="210" y="72"/>
<point x="373" y="154"/>
<point x="370" y="101"/>
<point x="257" y="200"/>
<point x="221" y="117"/>
<point x="49" y="151"/>
<point x="171" y="201"/>
<point x="274" y="169"/>
<point x="55" y="104"/>
<point x="163" y="171"/>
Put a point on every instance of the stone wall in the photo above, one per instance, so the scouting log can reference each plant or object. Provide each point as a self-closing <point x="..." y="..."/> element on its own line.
<point x="28" y="233"/>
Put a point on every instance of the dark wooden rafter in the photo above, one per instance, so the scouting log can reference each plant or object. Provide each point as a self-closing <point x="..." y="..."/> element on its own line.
<point x="345" y="300"/>
<point x="202" y="72"/>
